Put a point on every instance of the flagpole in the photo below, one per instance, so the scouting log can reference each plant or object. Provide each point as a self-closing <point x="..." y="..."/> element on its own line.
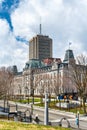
<point x="69" y="45"/>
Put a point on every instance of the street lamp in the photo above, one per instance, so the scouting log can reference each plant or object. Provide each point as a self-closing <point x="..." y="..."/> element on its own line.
<point x="28" y="95"/>
<point x="78" y="118"/>
<point x="46" y="109"/>
<point x="4" y="102"/>
<point x="20" y="91"/>
<point x="32" y="95"/>
<point x="32" y="86"/>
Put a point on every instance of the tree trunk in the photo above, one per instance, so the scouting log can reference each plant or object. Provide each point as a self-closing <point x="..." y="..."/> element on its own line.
<point x="49" y="99"/>
<point x="84" y="107"/>
<point x="41" y="99"/>
<point x="80" y="103"/>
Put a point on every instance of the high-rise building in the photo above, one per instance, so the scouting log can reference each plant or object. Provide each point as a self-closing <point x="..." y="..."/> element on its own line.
<point x="40" y="47"/>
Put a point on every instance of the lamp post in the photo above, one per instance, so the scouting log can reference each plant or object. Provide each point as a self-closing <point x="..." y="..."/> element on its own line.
<point x="28" y="95"/>
<point x="78" y="118"/>
<point x="20" y="92"/>
<point x="4" y="102"/>
<point x="33" y="96"/>
<point x="46" y="109"/>
<point x="32" y="86"/>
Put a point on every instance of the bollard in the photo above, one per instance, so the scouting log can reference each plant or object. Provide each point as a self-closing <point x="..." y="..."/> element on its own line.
<point x="30" y="118"/>
<point x="15" y="117"/>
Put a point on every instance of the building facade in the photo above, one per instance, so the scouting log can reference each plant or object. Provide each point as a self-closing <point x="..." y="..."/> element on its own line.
<point x="43" y="72"/>
<point x="39" y="77"/>
<point x="40" y="47"/>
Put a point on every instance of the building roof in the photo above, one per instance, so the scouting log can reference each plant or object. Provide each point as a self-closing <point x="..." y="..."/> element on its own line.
<point x="34" y="63"/>
<point x="68" y="55"/>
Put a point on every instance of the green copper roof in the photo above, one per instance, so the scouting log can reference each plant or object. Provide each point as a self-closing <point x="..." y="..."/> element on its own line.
<point x="68" y="55"/>
<point x="34" y="63"/>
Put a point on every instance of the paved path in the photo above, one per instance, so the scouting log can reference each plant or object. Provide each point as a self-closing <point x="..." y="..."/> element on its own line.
<point x="55" y="116"/>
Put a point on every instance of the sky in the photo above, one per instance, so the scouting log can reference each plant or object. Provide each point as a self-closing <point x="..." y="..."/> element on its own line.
<point x="65" y="21"/>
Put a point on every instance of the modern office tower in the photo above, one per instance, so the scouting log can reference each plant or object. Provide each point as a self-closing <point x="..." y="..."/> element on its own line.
<point x="40" y="47"/>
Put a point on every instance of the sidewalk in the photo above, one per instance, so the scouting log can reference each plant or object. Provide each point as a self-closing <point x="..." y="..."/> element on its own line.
<point x="60" y="112"/>
<point x="69" y="115"/>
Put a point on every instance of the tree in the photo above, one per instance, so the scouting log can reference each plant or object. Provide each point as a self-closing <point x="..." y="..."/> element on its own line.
<point x="79" y="77"/>
<point x="56" y="85"/>
<point x="6" y="78"/>
<point x="41" y="89"/>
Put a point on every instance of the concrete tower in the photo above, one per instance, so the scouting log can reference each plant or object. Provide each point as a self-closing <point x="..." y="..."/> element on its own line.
<point x="40" y="46"/>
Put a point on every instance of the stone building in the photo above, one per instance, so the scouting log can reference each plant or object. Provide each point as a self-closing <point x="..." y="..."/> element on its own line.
<point x="40" y="76"/>
<point x="43" y="72"/>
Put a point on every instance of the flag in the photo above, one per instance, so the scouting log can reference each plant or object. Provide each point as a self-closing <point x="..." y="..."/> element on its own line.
<point x="70" y="43"/>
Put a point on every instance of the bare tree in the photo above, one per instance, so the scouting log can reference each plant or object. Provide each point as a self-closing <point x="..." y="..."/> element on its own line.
<point x="35" y="81"/>
<point x="56" y="84"/>
<point x="79" y="77"/>
<point x="41" y="90"/>
<point x="40" y="84"/>
<point x="6" y="78"/>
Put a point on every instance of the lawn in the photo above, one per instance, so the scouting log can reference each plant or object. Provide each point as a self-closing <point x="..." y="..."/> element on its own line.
<point x="53" y="106"/>
<point x="26" y="100"/>
<point x="9" y="125"/>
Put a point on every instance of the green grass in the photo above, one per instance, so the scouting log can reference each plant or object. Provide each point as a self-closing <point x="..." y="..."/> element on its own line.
<point x="53" y="106"/>
<point x="9" y="125"/>
<point x="26" y="100"/>
<point x="75" y="110"/>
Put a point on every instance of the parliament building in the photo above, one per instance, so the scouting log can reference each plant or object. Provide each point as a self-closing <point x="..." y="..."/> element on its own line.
<point x="43" y="73"/>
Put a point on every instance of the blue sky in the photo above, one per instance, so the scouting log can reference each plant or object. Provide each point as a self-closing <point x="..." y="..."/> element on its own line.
<point x="63" y="20"/>
<point x="7" y="7"/>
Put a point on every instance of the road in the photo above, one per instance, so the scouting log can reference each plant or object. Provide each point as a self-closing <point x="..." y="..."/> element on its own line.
<point x="54" y="115"/>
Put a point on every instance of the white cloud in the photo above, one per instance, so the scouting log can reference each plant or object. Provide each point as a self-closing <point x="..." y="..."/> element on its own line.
<point x="10" y="48"/>
<point x="63" y="20"/>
